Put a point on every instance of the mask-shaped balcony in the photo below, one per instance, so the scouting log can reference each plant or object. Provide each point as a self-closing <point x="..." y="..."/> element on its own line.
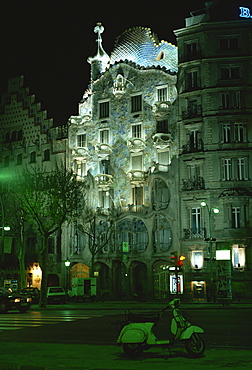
<point x="161" y="141"/>
<point x="136" y="144"/>
<point x="161" y="109"/>
<point x="195" y="183"/>
<point x="103" y="150"/>
<point x="137" y="176"/>
<point x="80" y="153"/>
<point x="103" y="180"/>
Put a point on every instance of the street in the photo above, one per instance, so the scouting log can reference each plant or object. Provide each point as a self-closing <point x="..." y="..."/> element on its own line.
<point x="68" y="339"/>
<point x="223" y="327"/>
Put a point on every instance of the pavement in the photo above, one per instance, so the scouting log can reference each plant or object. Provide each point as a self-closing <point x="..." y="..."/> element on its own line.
<point x="54" y="356"/>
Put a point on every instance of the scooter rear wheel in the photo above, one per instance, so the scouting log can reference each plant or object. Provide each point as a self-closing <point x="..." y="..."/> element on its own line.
<point x="133" y="350"/>
<point x="195" y="345"/>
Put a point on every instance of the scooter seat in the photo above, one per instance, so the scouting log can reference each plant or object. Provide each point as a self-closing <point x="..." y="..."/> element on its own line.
<point x="143" y="317"/>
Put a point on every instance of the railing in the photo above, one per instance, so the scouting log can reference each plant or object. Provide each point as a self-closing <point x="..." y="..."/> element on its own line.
<point x="103" y="179"/>
<point x="136" y="144"/>
<point x="103" y="149"/>
<point x="192" y="111"/>
<point x="161" y="140"/>
<point x="194" y="233"/>
<point x="161" y="108"/>
<point x="137" y="175"/>
<point x="197" y="183"/>
<point x="191" y="147"/>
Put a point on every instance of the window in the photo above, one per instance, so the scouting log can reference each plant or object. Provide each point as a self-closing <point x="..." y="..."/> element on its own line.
<point x="7" y="136"/>
<point x="136" y="131"/>
<point x="162" y="127"/>
<point x="233" y="132"/>
<point x="136" y="103"/>
<point x="162" y="93"/>
<point x="236" y="218"/>
<point x="104" y="167"/>
<point x="19" y="159"/>
<point x="137" y="195"/>
<point x="196" y="220"/>
<point x="231" y="99"/>
<point x="234" y="169"/>
<point x="160" y="195"/>
<point x="242" y="169"/>
<point x="47" y="155"/>
<point x="19" y="135"/>
<point x="82" y="140"/>
<point x="162" y="234"/>
<point x="226" y="169"/>
<point x="163" y="157"/>
<point x="192" y="79"/>
<point x="104" y="136"/>
<point x="33" y="157"/>
<point x="226" y="127"/>
<point x="229" y="43"/>
<point x="104" y="109"/>
<point x="191" y="48"/>
<point x="195" y="141"/>
<point x="229" y="73"/>
<point x="240" y="132"/>
<point x="137" y="162"/>
<point x="197" y="259"/>
<point x="238" y="257"/>
<point x="13" y="136"/>
<point x="81" y="169"/>
<point x="104" y="199"/>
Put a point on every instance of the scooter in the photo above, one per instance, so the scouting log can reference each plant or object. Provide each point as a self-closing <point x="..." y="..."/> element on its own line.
<point x="137" y="333"/>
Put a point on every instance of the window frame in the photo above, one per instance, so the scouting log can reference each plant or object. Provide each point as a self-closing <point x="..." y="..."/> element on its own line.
<point x="136" y="106"/>
<point x="104" y="109"/>
<point x="159" y="88"/>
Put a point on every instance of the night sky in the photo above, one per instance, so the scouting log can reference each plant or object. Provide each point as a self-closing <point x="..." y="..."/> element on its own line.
<point x="49" y="42"/>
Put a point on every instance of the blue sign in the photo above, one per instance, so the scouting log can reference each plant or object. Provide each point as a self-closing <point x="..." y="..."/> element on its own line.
<point x="245" y="12"/>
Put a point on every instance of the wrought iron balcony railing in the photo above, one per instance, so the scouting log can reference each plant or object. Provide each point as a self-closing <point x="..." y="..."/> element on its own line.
<point x="197" y="183"/>
<point x="192" y="111"/>
<point x="194" y="233"/>
<point x="193" y="147"/>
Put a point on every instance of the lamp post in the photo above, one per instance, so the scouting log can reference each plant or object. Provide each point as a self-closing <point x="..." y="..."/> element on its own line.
<point x="210" y="210"/>
<point x="67" y="265"/>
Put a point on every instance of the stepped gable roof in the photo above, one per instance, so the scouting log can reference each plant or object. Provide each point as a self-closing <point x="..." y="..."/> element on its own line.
<point x="140" y="46"/>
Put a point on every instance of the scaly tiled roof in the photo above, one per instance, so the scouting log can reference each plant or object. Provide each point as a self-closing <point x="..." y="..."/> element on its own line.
<point x="140" y="46"/>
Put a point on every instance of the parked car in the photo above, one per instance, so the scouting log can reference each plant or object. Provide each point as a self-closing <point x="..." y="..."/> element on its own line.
<point x="32" y="292"/>
<point x="10" y="300"/>
<point x="56" y="294"/>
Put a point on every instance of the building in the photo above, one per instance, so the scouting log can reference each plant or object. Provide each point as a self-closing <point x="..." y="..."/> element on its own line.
<point x="124" y="140"/>
<point x="215" y="163"/>
<point x="27" y="138"/>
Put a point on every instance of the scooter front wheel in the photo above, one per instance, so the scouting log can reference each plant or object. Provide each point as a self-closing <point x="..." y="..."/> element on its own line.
<point x="195" y="345"/>
<point x="133" y="350"/>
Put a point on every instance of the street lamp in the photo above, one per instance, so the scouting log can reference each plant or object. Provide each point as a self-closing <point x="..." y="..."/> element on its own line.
<point x="67" y="264"/>
<point x="210" y="239"/>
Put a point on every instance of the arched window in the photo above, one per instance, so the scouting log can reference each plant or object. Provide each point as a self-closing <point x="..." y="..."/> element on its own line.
<point x="133" y="232"/>
<point x="160" y="195"/>
<point x="162" y="234"/>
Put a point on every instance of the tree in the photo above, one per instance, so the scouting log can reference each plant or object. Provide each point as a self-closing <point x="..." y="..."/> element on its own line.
<point x="47" y="200"/>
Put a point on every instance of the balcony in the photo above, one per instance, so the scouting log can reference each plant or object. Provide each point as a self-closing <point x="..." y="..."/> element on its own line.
<point x="161" y="109"/>
<point x="136" y="144"/>
<point x="192" y="111"/>
<point x="192" y="55"/>
<point x="80" y="153"/>
<point x="103" y="150"/>
<point x="197" y="183"/>
<point x="161" y="141"/>
<point x="193" y="147"/>
<point x="104" y="180"/>
<point x="194" y="233"/>
<point x="137" y="176"/>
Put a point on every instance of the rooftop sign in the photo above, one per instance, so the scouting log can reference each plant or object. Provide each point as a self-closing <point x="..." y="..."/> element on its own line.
<point x="245" y="12"/>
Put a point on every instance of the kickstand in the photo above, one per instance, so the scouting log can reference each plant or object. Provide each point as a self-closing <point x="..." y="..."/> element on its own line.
<point x="166" y="349"/>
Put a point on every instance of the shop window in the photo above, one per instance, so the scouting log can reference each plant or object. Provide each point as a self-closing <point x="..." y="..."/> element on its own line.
<point x="197" y="259"/>
<point x="238" y="257"/>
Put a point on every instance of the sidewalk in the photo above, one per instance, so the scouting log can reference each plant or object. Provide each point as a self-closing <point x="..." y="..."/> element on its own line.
<point x="135" y="305"/>
<point x="42" y="356"/>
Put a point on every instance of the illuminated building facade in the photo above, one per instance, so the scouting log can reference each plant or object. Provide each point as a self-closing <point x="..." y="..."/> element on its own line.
<point x="28" y="138"/>
<point x="215" y="125"/>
